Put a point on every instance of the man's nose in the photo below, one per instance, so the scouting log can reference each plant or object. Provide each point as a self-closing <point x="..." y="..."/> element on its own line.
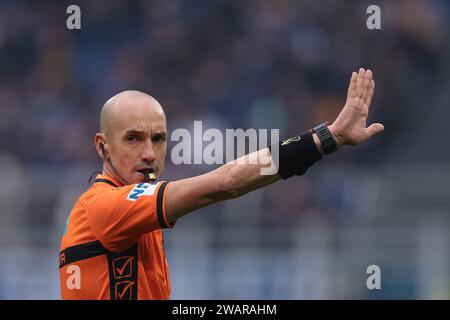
<point x="148" y="154"/>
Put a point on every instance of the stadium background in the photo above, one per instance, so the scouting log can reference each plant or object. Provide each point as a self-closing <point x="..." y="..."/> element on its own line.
<point x="237" y="64"/>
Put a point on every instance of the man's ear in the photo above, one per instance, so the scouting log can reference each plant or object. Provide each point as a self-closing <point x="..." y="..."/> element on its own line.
<point x="100" y="145"/>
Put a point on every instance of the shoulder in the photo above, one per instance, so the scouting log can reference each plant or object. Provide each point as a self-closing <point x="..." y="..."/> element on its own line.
<point x="104" y="194"/>
<point x="96" y="192"/>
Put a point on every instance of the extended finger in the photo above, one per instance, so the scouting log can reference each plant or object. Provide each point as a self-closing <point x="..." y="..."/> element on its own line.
<point x="352" y="86"/>
<point x="367" y="84"/>
<point x="374" y="129"/>
<point x="360" y="83"/>
<point x="369" y="97"/>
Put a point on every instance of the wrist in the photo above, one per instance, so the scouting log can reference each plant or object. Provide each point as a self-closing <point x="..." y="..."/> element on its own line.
<point x="340" y="141"/>
<point x="295" y="155"/>
<point x="323" y="138"/>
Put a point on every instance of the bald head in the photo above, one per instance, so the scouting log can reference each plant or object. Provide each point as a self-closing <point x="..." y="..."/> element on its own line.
<point x="120" y="107"/>
<point x="132" y="137"/>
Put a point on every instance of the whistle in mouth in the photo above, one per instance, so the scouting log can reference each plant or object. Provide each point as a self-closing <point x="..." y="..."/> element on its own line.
<point x="150" y="175"/>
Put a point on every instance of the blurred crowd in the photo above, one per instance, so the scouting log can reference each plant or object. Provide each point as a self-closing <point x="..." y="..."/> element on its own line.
<point x="249" y="64"/>
<point x="232" y="64"/>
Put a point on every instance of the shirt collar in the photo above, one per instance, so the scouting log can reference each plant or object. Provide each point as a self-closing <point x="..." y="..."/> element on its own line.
<point x="107" y="179"/>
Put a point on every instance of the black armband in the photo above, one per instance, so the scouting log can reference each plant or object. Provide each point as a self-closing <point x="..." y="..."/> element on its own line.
<point x="295" y="155"/>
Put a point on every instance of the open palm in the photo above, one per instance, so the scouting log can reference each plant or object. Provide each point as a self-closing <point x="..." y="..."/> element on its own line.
<point x="350" y="127"/>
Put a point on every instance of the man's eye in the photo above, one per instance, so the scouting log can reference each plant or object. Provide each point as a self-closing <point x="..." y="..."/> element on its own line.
<point x="158" y="139"/>
<point x="132" y="138"/>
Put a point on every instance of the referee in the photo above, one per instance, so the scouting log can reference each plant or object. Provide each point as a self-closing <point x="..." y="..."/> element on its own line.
<point x="112" y="247"/>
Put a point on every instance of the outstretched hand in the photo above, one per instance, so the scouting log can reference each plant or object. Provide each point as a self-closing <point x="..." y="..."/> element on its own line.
<point x="350" y="125"/>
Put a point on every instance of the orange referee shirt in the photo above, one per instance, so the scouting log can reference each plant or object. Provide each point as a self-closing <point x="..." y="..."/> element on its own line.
<point x="113" y="246"/>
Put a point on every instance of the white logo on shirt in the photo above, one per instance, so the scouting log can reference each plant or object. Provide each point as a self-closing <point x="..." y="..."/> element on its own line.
<point x="141" y="189"/>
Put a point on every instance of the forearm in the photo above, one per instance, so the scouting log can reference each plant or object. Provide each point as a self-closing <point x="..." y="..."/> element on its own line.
<point x="229" y="181"/>
<point x="247" y="173"/>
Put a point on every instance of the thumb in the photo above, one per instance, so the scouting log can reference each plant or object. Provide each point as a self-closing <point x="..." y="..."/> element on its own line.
<point x="374" y="129"/>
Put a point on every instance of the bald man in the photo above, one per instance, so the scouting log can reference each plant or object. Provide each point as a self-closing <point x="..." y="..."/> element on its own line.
<point x="112" y="246"/>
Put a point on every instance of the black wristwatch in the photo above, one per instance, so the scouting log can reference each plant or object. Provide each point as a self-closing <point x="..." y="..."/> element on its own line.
<point x="326" y="139"/>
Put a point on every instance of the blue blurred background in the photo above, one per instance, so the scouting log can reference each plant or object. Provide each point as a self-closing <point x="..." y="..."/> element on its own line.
<point x="281" y="64"/>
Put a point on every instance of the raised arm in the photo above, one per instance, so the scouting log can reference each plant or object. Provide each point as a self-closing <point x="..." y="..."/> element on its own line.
<point x="243" y="175"/>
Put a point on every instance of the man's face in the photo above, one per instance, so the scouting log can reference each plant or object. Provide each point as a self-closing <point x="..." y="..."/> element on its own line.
<point x="137" y="140"/>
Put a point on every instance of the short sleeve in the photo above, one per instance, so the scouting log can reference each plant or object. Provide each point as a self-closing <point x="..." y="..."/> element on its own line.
<point x="119" y="216"/>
